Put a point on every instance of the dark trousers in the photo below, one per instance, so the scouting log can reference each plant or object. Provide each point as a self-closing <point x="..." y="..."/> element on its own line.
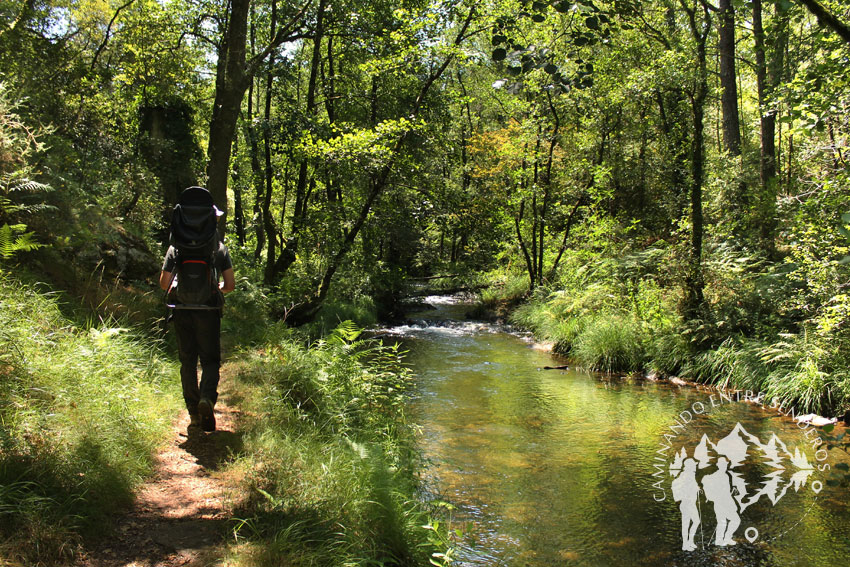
<point x="198" y="337"/>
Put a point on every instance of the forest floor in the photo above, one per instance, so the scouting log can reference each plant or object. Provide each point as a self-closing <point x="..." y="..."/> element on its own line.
<point x="182" y="512"/>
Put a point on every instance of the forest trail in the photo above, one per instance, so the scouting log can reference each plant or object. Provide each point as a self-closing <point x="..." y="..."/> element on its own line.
<point x="182" y="511"/>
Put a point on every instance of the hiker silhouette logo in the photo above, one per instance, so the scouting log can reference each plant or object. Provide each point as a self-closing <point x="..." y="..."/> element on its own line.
<point x="711" y="469"/>
<point x="715" y="472"/>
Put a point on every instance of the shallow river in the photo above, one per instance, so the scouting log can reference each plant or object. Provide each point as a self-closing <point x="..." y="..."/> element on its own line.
<point x="553" y="467"/>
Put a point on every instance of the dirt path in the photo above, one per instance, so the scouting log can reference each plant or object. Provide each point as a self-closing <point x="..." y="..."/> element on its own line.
<point x="183" y="510"/>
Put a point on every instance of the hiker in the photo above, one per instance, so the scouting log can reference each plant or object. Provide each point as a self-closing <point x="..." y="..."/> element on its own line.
<point x="719" y="489"/>
<point x="193" y="264"/>
<point x="686" y="491"/>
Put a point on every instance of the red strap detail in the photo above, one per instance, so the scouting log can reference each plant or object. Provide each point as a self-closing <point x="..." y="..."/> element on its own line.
<point x="195" y="262"/>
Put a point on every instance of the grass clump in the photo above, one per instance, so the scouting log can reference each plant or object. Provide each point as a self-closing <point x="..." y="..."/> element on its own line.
<point x="332" y="462"/>
<point x="610" y="343"/>
<point x="82" y="411"/>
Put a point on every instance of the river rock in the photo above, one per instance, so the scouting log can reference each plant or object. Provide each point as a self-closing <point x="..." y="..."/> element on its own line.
<point x="816" y="420"/>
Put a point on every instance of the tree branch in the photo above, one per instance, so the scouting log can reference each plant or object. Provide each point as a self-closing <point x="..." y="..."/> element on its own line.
<point x="26" y="9"/>
<point x="282" y="36"/>
<point x="828" y="19"/>
<point x="108" y="33"/>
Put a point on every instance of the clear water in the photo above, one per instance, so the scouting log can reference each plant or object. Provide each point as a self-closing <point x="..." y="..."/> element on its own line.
<point x="551" y="467"/>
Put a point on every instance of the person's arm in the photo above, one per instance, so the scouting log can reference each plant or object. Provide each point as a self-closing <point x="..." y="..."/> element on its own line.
<point x="229" y="281"/>
<point x="166" y="275"/>
<point x="165" y="280"/>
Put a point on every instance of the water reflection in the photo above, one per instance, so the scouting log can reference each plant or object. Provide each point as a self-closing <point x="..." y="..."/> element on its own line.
<point x="556" y="467"/>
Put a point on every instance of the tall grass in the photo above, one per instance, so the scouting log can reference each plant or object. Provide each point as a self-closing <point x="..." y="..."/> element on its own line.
<point x="607" y="318"/>
<point x="82" y="411"/>
<point x="331" y="466"/>
<point x="611" y="343"/>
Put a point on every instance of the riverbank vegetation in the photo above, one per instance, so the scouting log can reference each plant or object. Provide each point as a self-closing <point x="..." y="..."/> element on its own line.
<point x="329" y="458"/>
<point x="82" y="408"/>
<point x="657" y="187"/>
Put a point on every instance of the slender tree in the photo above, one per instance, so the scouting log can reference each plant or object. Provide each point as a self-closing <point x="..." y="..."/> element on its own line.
<point x="729" y="78"/>
<point x="234" y="73"/>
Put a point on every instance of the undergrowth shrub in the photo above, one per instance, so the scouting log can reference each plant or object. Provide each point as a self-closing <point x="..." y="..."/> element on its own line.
<point x="332" y="465"/>
<point x="82" y="412"/>
<point x="505" y="288"/>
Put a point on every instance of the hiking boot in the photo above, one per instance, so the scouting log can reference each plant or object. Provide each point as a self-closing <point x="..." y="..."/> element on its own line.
<point x="205" y="409"/>
<point x="194" y="419"/>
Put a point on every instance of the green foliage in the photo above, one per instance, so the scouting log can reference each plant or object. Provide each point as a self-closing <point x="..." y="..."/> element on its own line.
<point x="246" y="320"/>
<point x="18" y="143"/>
<point x="14" y="239"/>
<point x="82" y="411"/>
<point x="330" y="458"/>
<point x="610" y="343"/>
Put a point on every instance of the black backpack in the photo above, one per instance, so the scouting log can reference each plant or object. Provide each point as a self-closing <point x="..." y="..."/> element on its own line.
<point x="194" y="236"/>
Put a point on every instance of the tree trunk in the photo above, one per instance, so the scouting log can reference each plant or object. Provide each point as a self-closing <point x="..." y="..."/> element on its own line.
<point x="528" y="262"/>
<point x="729" y="79"/>
<point x="768" y="77"/>
<point x="238" y="214"/>
<point x="233" y="75"/>
<point x="266" y="231"/>
<point x="230" y="86"/>
<point x="302" y="193"/>
<point x="256" y="178"/>
<point x="694" y="282"/>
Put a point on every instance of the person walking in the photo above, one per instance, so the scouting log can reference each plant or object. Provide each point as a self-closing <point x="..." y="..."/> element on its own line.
<point x="196" y="272"/>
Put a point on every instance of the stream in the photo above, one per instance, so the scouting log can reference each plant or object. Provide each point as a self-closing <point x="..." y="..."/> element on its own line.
<point x="560" y="467"/>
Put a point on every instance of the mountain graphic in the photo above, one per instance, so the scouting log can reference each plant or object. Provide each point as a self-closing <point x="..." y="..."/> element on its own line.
<point x="772" y="450"/>
<point x="705" y="453"/>
<point x="740" y="447"/>
<point x="715" y="472"/>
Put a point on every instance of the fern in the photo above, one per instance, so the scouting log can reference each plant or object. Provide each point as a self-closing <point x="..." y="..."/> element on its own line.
<point x="347" y="332"/>
<point x="14" y="239"/>
<point x="14" y="187"/>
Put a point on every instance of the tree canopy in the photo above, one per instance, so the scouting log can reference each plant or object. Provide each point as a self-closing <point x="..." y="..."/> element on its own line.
<point x="357" y="145"/>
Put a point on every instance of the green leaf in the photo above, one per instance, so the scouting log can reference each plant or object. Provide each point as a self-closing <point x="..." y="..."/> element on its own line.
<point x="514" y="71"/>
<point x="538" y="18"/>
<point x="829" y="428"/>
<point x="499" y="54"/>
<point x="538" y="6"/>
<point x="592" y="22"/>
<point x="499" y="39"/>
<point x="551" y="68"/>
<point x="842" y="466"/>
<point x="563" y="7"/>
